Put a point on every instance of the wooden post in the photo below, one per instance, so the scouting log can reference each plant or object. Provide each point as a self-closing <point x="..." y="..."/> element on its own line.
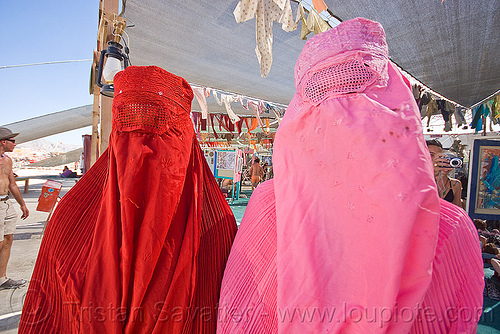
<point x="106" y="117"/>
<point x="94" y="142"/>
<point x="108" y="8"/>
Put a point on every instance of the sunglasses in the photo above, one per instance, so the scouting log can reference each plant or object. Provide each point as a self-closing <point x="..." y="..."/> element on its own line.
<point x="11" y="140"/>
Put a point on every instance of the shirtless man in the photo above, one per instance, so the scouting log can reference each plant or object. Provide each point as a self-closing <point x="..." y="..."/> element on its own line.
<point x="7" y="213"/>
<point x="256" y="172"/>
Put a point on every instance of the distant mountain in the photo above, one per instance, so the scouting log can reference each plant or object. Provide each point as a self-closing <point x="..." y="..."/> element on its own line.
<point x="47" y="146"/>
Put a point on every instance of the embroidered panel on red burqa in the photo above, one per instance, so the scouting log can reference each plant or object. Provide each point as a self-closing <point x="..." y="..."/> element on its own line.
<point x="140" y="243"/>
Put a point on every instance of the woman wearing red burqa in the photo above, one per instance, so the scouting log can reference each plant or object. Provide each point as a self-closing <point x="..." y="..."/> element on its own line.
<point x="139" y="245"/>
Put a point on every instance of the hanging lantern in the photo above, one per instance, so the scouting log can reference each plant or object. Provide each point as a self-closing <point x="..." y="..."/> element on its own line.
<point x="107" y="69"/>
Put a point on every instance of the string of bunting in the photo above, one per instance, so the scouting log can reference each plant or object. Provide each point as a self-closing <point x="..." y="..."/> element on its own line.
<point x="231" y="122"/>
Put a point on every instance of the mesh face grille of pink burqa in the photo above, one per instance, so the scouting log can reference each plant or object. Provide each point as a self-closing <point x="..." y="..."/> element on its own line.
<point x="343" y="239"/>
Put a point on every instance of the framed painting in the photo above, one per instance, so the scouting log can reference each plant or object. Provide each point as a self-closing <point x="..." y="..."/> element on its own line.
<point x="484" y="180"/>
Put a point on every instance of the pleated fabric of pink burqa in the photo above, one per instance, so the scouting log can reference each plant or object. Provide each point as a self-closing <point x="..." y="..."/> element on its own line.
<point x="344" y="239"/>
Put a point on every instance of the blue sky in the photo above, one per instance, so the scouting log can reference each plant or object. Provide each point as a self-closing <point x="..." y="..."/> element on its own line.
<point x="41" y="31"/>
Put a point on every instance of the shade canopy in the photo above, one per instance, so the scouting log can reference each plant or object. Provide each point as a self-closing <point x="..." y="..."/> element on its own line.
<point x="51" y="124"/>
<point x="450" y="46"/>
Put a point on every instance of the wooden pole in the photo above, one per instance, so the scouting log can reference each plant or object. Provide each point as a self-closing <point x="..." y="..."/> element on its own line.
<point x="94" y="141"/>
<point x="108" y="8"/>
<point x="106" y="117"/>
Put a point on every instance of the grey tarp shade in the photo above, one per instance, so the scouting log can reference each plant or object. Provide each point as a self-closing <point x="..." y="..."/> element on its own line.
<point x="451" y="46"/>
<point x="201" y="42"/>
<point x="51" y="124"/>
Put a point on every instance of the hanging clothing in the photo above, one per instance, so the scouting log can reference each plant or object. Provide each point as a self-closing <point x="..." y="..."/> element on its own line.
<point x="460" y="117"/>
<point x="477" y="113"/>
<point x="432" y="109"/>
<point x="319" y="5"/>
<point x="346" y="138"/>
<point x="313" y="23"/>
<point x="416" y="92"/>
<point x="496" y="106"/>
<point x="227" y="100"/>
<point x="424" y="100"/>
<point x="145" y="233"/>
<point x="201" y="96"/>
<point x="265" y="13"/>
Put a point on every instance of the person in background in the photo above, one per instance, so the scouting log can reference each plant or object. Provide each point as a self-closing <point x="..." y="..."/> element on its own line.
<point x="68" y="172"/>
<point x="256" y="173"/>
<point x="480" y="224"/>
<point x="7" y="213"/>
<point x="449" y="189"/>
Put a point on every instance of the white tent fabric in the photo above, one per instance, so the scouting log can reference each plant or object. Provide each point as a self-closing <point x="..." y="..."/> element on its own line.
<point x="201" y="42"/>
<point x="451" y="46"/>
<point x="51" y="124"/>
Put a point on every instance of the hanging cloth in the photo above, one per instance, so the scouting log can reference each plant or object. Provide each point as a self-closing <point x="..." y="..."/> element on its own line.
<point x="195" y="117"/>
<point x="424" y="100"/>
<point x="227" y="100"/>
<point x="313" y="23"/>
<point x="239" y="124"/>
<point x="152" y="237"/>
<point x="265" y="13"/>
<point x="446" y="115"/>
<point x="216" y="97"/>
<point x="476" y="123"/>
<point x="432" y="109"/>
<point x="255" y="106"/>
<point x="496" y="106"/>
<point x="319" y="5"/>
<point x="459" y="117"/>
<point x="199" y="93"/>
<point x="253" y="125"/>
<point x="213" y="126"/>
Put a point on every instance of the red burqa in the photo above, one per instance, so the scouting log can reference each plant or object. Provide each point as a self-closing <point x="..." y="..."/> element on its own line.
<point x="140" y="243"/>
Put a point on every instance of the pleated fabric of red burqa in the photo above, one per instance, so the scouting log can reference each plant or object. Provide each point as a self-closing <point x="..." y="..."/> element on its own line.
<point x="150" y="259"/>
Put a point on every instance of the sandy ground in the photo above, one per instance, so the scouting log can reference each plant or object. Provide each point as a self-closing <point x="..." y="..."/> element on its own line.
<point x="26" y="244"/>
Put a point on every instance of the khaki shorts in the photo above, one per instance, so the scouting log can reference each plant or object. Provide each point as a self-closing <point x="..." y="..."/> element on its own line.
<point x="8" y="218"/>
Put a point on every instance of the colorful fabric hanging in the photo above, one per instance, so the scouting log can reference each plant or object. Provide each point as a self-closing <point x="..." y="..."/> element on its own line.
<point x="213" y="126"/>
<point x="253" y="125"/>
<point x="496" y="106"/>
<point x="313" y="23"/>
<point x="477" y="113"/>
<point x="319" y="5"/>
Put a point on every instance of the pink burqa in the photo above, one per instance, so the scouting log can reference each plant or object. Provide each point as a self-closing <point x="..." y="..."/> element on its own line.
<point x="355" y="202"/>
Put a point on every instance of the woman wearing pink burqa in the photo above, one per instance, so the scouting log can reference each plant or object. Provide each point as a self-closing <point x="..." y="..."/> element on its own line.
<point x="344" y="239"/>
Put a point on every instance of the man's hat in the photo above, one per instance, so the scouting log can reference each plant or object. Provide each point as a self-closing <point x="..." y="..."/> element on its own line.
<point x="6" y="133"/>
